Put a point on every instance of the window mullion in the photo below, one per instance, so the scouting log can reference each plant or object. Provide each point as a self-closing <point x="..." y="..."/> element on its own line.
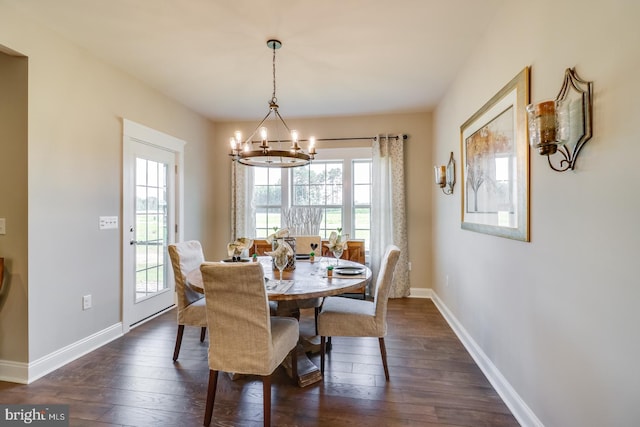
<point x="286" y="190"/>
<point x="347" y="198"/>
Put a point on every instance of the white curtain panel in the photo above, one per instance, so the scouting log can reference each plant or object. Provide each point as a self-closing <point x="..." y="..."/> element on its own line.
<point x="388" y="212"/>
<point x="242" y="215"/>
<point x="303" y="221"/>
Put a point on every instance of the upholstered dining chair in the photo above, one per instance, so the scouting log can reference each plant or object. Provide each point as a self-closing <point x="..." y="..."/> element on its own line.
<point x="348" y="317"/>
<point x="186" y="257"/>
<point x="243" y="337"/>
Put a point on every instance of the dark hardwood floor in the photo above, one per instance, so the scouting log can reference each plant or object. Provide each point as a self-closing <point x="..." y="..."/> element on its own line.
<point x="133" y="381"/>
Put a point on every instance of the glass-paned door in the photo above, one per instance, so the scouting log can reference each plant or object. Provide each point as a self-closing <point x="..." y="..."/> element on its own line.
<point x="149" y="221"/>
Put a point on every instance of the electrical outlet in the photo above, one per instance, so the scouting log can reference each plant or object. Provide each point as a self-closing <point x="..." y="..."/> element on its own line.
<point x="3" y="226"/>
<point x="409" y="265"/>
<point x="86" y="302"/>
<point x="108" y="222"/>
<point x="446" y="283"/>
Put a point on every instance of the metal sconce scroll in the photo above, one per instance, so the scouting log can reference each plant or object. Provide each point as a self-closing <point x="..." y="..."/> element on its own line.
<point x="446" y="176"/>
<point x="563" y="125"/>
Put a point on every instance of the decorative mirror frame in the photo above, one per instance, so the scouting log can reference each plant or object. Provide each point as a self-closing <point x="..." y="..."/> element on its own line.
<point x="585" y="89"/>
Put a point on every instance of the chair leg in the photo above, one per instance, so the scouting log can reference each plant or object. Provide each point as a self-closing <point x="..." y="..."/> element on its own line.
<point x="266" y="399"/>
<point x="322" y="354"/>
<point x="211" y="396"/>
<point x="383" y="352"/>
<point x="329" y="344"/>
<point x="203" y="333"/>
<point x="317" y="311"/>
<point x="176" y="351"/>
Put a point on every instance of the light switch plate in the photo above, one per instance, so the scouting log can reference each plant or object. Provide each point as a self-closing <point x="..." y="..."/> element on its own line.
<point x="108" y="222"/>
<point x="3" y="226"/>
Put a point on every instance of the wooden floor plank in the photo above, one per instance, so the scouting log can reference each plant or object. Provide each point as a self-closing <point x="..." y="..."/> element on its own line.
<point x="133" y="381"/>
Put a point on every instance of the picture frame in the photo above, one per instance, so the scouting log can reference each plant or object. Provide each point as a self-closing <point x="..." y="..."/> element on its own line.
<point x="495" y="160"/>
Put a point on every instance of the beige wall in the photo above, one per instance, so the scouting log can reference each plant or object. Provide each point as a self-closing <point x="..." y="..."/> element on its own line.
<point x="75" y="110"/>
<point x="557" y="316"/>
<point x="418" y="173"/>
<point x="13" y="206"/>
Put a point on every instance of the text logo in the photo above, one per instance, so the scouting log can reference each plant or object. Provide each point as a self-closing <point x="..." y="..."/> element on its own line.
<point x="34" y="415"/>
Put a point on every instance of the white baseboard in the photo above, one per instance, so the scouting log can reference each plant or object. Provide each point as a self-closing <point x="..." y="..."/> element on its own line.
<point x="27" y="373"/>
<point x="420" y="293"/>
<point x="514" y="402"/>
<point x="14" y="372"/>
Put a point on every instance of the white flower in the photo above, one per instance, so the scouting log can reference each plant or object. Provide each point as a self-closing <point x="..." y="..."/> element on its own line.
<point x="235" y="248"/>
<point x="336" y="242"/>
<point x="278" y="235"/>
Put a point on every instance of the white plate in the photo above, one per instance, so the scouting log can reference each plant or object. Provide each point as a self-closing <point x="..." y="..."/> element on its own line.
<point x="349" y="271"/>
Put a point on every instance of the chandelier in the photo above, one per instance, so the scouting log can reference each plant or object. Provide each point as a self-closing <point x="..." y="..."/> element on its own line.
<point x="265" y="155"/>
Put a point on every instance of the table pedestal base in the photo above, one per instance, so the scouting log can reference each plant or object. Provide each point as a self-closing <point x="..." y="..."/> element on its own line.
<point x="308" y="373"/>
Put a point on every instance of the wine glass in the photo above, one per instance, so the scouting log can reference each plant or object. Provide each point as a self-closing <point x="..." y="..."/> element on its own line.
<point x="337" y="253"/>
<point x="281" y="263"/>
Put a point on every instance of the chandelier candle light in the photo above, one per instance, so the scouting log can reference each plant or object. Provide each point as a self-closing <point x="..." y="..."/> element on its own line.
<point x="265" y="155"/>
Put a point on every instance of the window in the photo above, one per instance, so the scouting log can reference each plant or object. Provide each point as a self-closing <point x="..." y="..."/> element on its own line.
<point x="267" y="199"/>
<point x="362" y="200"/>
<point x="319" y="184"/>
<point x="339" y="183"/>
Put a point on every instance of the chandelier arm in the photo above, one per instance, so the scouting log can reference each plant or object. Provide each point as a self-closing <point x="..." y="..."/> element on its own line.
<point x="249" y="140"/>
<point x="282" y="120"/>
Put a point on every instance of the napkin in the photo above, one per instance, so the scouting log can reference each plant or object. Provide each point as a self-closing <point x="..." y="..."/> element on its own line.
<point x="275" y="287"/>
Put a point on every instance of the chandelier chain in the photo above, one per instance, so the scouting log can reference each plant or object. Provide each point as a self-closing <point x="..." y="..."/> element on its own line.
<point x="273" y="96"/>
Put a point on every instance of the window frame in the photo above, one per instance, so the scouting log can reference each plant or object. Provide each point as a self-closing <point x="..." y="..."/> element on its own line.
<point x="347" y="156"/>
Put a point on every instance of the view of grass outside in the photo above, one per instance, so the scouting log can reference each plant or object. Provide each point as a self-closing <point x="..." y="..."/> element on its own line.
<point x="151" y="233"/>
<point x="320" y="184"/>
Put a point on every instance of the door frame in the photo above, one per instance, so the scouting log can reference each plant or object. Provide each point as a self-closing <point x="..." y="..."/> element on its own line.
<point x="135" y="132"/>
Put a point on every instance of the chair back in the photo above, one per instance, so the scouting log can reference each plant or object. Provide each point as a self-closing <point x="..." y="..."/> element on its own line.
<point x="238" y="318"/>
<point x="384" y="281"/>
<point x="185" y="257"/>
<point x="303" y="244"/>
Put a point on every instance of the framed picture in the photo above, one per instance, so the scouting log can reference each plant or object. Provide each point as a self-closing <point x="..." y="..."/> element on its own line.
<point x="495" y="159"/>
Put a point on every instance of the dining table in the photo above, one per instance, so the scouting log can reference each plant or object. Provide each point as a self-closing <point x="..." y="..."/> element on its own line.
<point x="306" y="281"/>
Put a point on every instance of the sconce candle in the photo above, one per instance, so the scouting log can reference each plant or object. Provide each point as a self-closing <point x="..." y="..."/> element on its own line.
<point x="445" y="175"/>
<point x="441" y="172"/>
<point x="542" y="126"/>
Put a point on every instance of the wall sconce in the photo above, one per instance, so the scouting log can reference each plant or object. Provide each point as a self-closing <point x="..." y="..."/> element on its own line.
<point x="563" y="125"/>
<point x="446" y="175"/>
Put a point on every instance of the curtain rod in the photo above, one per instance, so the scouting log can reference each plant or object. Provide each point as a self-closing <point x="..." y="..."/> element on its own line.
<point x="404" y="137"/>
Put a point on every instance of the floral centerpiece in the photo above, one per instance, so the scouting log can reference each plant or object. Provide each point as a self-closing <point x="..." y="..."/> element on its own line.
<point x="282" y="249"/>
<point x="235" y="248"/>
<point x="282" y="245"/>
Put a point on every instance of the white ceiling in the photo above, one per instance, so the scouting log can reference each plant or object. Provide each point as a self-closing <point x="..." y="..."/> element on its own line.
<point x="339" y="57"/>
